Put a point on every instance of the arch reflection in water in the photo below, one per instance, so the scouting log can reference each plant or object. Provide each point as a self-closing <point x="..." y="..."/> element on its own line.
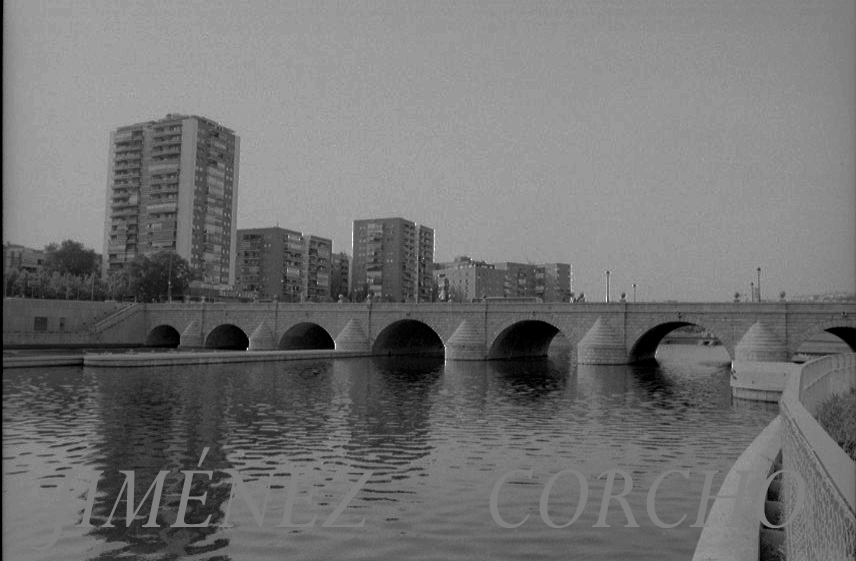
<point x="153" y="422"/>
<point x="258" y="421"/>
<point x="533" y="380"/>
<point x="391" y="402"/>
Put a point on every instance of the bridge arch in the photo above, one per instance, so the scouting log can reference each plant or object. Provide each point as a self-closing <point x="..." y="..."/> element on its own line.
<point x="227" y="336"/>
<point x="408" y="337"/>
<point x="164" y="336"/>
<point x="523" y="338"/>
<point x="306" y="335"/>
<point x="844" y="329"/>
<point x="644" y="345"/>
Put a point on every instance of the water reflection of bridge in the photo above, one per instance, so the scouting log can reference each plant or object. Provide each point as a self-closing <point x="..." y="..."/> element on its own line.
<point x="600" y="333"/>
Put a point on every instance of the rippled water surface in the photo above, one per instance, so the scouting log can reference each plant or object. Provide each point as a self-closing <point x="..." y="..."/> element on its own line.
<point x="432" y="439"/>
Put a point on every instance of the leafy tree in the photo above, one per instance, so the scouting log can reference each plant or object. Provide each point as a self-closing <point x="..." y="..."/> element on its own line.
<point x="149" y="276"/>
<point x="118" y="285"/>
<point x="70" y="257"/>
<point x="56" y="285"/>
<point x="10" y="280"/>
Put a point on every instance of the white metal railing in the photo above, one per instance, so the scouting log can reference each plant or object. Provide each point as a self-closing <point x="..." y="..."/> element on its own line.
<point x="825" y="525"/>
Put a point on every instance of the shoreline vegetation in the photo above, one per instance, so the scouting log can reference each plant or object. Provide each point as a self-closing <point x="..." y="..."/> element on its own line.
<point x="837" y="415"/>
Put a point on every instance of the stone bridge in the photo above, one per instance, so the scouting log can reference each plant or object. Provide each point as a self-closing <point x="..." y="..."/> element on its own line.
<point x="601" y="333"/>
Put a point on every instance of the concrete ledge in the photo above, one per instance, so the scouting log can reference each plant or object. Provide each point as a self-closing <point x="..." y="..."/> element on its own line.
<point x="211" y="357"/>
<point x="761" y="381"/>
<point x="41" y="361"/>
<point x="718" y="541"/>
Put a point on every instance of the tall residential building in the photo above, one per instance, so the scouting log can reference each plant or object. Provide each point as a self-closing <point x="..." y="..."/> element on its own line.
<point x="315" y="282"/>
<point x="392" y="260"/>
<point x="557" y="282"/>
<point x="172" y="184"/>
<point x="340" y="269"/>
<point x="283" y="264"/>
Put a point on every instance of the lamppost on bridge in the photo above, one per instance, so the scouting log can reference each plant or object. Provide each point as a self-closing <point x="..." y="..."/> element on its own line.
<point x="759" y="284"/>
<point x="607" y="286"/>
<point x="634" y="291"/>
<point x="169" y="280"/>
<point x="751" y="291"/>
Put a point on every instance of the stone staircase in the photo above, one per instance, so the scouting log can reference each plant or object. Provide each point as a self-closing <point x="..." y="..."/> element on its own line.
<point x="114" y="318"/>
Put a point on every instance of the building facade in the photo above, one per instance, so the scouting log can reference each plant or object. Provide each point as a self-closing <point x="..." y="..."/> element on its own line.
<point x="465" y="280"/>
<point x="277" y="263"/>
<point x="557" y="282"/>
<point x="393" y="260"/>
<point x="172" y="185"/>
<point x="22" y="258"/>
<point x="340" y="269"/>
<point x="522" y="280"/>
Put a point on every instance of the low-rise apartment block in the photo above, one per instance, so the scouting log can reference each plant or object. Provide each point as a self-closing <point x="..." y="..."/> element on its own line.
<point x="22" y="258"/>
<point x="286" y="265"/>
<point x="465" y="280"/>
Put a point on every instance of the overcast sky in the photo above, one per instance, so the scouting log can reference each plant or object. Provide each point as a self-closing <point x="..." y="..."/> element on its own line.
<point x="678" y="143"/>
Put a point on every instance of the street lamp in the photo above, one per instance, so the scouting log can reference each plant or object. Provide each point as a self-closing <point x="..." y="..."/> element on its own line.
<point x="751" y="291"/>
<point x="634" y="291"/>
<point x="607" y="286"/>
<point x="759" y="284"/>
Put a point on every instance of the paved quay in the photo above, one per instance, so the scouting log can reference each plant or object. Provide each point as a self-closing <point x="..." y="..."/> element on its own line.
<point x="35" y="359"/>
<point x="177" y="358"/>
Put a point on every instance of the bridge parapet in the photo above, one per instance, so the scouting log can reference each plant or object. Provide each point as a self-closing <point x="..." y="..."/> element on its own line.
<point x="492" y="328"/>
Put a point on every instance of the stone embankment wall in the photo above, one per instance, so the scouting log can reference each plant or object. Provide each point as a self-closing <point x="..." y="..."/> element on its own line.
<point x="37" y="322"/>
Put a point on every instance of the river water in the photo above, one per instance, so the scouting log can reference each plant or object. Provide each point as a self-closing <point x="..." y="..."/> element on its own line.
<point x="420" y="444"/>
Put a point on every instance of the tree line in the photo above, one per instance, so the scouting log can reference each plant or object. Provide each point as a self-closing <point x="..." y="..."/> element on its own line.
<point x="72" y="271"/>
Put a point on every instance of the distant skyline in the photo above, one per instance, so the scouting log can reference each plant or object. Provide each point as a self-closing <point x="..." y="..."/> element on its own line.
<point x="680" y="145"/>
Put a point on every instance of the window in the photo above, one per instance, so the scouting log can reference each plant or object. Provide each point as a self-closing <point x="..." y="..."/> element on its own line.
<point x="40" y="323"/>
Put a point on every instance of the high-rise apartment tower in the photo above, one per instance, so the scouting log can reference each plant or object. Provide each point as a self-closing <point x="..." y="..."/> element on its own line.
<point x="284" y="264"/>
<point x="393" y="260"/>
<point x="172" y="184"/>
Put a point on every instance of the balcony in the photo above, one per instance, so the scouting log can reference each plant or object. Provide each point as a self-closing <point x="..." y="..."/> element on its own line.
<point x="128" y="163"/>
<point x="126" y="210"/>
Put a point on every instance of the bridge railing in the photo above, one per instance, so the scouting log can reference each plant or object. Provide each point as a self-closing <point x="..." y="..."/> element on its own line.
<point x="114" y="318"/>
<point x="825" y="525"/>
